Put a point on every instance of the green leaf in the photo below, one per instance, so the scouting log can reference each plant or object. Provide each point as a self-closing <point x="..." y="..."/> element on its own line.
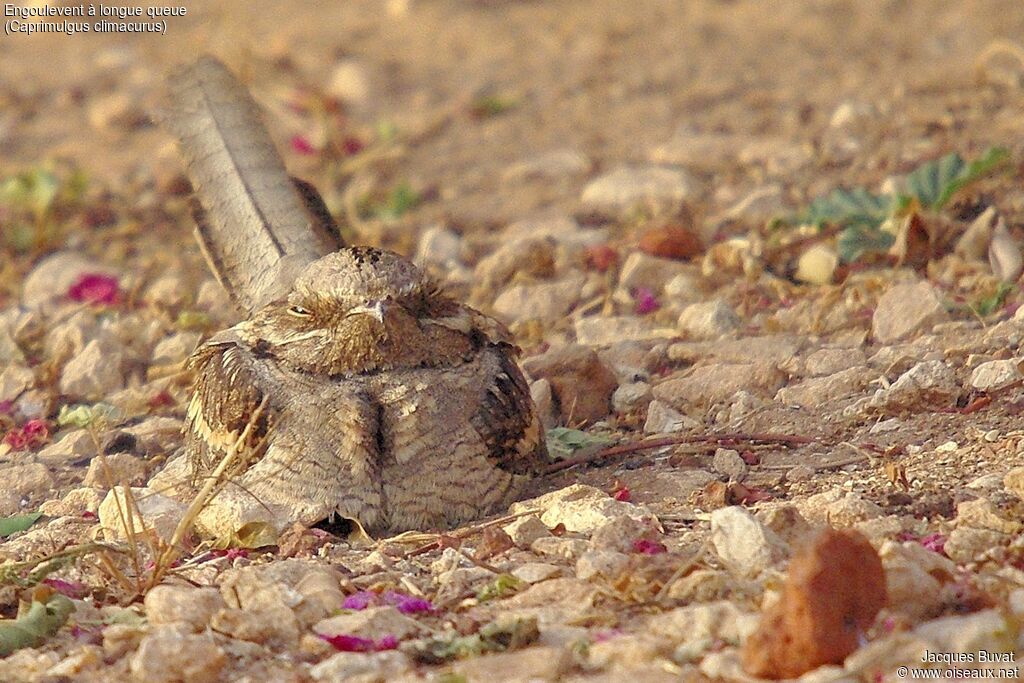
<point x="12" y="525"/>
<point x="934" y="183"/>
<point x="401" y="200"/>
<point x="486" y="106"/>
<point x="849" y="207"/>
<point x="503" y="586"/>
<point x="81" y="415"/>
<point x="858" y="240"/>
<point x="563" y="442"/>
<point x="42" y="620"/>
<point x="34" y="190"/>
<point x="990" y="304"/>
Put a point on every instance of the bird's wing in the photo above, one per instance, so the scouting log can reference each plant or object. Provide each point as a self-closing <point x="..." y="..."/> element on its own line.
<point x="257" y="227"/>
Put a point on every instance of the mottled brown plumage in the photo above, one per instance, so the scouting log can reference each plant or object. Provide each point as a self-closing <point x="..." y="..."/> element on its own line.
<point x="387" y="402"/>
<point x="383" y="400"/>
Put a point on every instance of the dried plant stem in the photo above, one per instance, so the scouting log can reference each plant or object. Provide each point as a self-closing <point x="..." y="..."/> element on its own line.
<point x="203" y="497"/>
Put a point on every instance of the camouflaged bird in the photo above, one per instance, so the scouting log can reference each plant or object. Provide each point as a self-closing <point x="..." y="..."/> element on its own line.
<point x="371" y="395"/>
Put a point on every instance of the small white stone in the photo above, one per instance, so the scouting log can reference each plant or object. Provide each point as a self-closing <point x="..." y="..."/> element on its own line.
<point x="151" y="511"/>
<point x="745" y="546"/>
<point x="662" y="419"/>
<point x="995" y="375"/>
<point x="708" y="320"/>
<point x="439" y="246"/>
<point x="175" y="348"/>
<point x="631" y="396"/>
<point x="15" y="379"/>
<point x="93" y="374"/>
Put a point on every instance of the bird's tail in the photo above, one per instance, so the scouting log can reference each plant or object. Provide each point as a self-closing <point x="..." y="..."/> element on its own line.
<point x="257" y="226"/>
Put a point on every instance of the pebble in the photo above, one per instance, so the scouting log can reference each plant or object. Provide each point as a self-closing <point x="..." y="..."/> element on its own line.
<point x="350" y="82"/>
<point x="929" y="383"/>
<point x="548" y="302"/>
<point x="361" y="666"/>
<point x="631" y="396"/>
<point x="439" y="246"/>
<point x="967" y="544"/>
<point x="914" y="577"/>
<point x="987" y="630"/>
<point x="166" y="655"/>
<point x="830" y="361"/>
<point x="175" y="348"/>
<point x="525" y="530"/>
<point x="777" y="156"/>
<point x="656" y="189"/>
<point x="274" y="627"/>
<point x="834" y="588"/>
<point x="981" y="513"/>
<point x="580" y="508"/>
<point x="905" y="310"/>
<point x="553" y="165"/>
<point x="168" y="604"/>
<point x="14" y="380"/>
<point x="817" y="390"/>
<point x="559" y="547"/>
<point x="581" y="383"/>
<point x="604" y="331"/>
<point x="728" y="462"/>
<point x="838" y="507"/>
<point x="744" y="545"/>
<point x="150" y="511"/>
<point x="608" y="564"/>
<point x="663" y="419"/>
<point x="641" y="270"/>
<point x="700" y="151"/>
<point x="708" y="320"/>
<point x="543" y="398"/>
<point x="531" y="256"/>
<point x="760" y="204"/>
<point x="93" y="374"/>
<point x="30" y="480"/>
<point x="73" y="446"/>
<point x="521" y="666"/>
<point x="707" y="384"/>
<point x="115" y="111"/>
<point x="372" y="622"/>
<point x="535" y="572"/>
<point x="168" y="291"/>
<point x="116" y="468"/>
<point x="683" y="289"/>
<point x="53" y="275"/>
<point x="995" y="375"/>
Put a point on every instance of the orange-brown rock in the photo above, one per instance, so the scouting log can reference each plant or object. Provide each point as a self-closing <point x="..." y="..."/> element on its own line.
<point x="671" y="241"/>
<point x="834" y="589"/>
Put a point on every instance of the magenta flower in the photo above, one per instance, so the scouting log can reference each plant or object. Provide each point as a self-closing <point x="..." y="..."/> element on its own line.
<point x="301" y="145"/>
<point x="645" y="300"/>
<point x="71" y="589"/>
<point x="32" y="434"/>
<point x="346" y="643"/>
<point x="934" y="542"/>
<point x="360" y="600"/>
<point x="407" y="604"/>
<point x="95" y="288"/>
<point x="647" y="547"/>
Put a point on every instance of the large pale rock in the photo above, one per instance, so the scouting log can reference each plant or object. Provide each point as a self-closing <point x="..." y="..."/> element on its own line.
<point x="906" y="310"/>
<point x="817" y="390"/>
<point x="361" y="666"/>
<point x="73" y="446"/>
<point x="661" y="419"/>
<point x="27" y="481"/>
<point x="929" y="383"/>
<point x="607" y="330"/>
<point x="996" y="374"/>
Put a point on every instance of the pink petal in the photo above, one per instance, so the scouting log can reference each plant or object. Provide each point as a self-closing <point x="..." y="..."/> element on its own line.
<point x="95" y="288"/>
<point x="648" y="547"/>
<point x="645" y="300"/>
<point x="301" y="145"/>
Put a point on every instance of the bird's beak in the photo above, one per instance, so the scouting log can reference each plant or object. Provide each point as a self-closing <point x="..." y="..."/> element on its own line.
<point x="375" y="309"/>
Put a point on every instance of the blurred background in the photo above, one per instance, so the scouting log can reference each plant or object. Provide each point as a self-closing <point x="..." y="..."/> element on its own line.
<point x="478" y="113"/>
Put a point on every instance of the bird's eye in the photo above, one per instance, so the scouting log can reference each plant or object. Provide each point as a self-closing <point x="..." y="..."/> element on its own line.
<point x="299" y="311"/>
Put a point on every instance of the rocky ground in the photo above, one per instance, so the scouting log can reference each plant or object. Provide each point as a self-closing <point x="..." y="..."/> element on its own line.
<point x="726" y="373"/>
